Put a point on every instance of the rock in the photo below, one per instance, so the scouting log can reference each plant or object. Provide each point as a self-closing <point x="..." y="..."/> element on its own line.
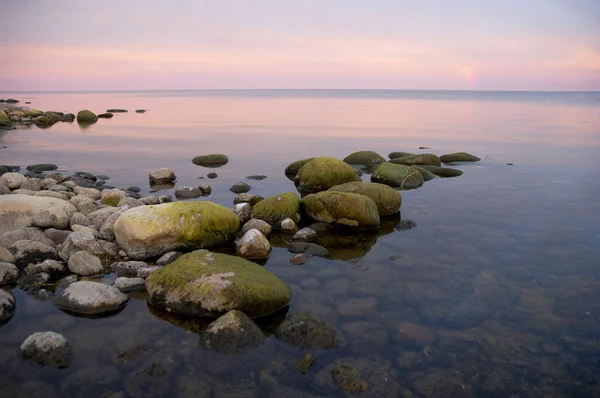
<point x="147" y="271"/>
<point x="89" y="298"/>
<point x="89" y="230"/>
<point x="243" y="211"/>
<point x="202" y="283"/>
<point x="80" y="219"/>
<point x="9" y="274"/>
<point x="48" y="183"/>
<point x="455" y="314"/>
<point x="342" y="209"/>
<point x="310" y="249"/>
<point x="56" y="235"/>
<point x="48" y="349"/>
<point x="410" y="334"/>
<point x="80" y="181"/>
<point x="35" y="284"/>
<point x="357" y="307"/>
<point x="84" y="204"/>
<point x="129" y="269"/>
<point x="323" y="173"/>
<point x="232" y="333"/>
<point x="442" y="171"/>
<point x="90" y="380"/>
<point x="106" y="115"/>
<point x="112" y="197"/>
<point x="86" y="117"/>
<point x="129" y="284"/>
<point x="395" y="155"/>
<point x="116" y="110"/>
<point x="247" y="198"/>
<point x="168" y="258"/>
<point x="213" y="160"/>
<point x="4" y="119"/>
<point x="50" y="267"/>
<point x="150" y="200"/>
<point x="40" y="167"/>
<point x="459" y="157"/>
<point x="150" y="231"/>
<point x="420" y="159"/>
<point x="29" y="251"/>
<point x="78" y="241"/>
<point x="129" y="202"/>
<point x="12" y="101"/>
<point x="23" y="211"/>
<point x="427" y="175"/>
<point x="206" y="189"/>
<point x="6" y="256"/>
<point x="305" y="363"/>
<point x="12" y="180"/>
<point x="397" y="176"/>
<point x="253" y="246"/>
<point x="260" y="225"/>
<point x="4" y="190"/>
<point x="99" y="217"/>
<point x="212" y="175"/>
<point x="163" y="175"/>
<point x="240" y="187"/>
<point x="50" y="194"/>
<point x="85" y="264"/>
<point x="299" y="259"/>
<point x="9" y="238"/>
<point x="275" y="209"/>
<point x="305" y="235"/>
<point x="405" y="225"/>
<point x="365" y="158"/>
<point x="387" y="199"/>
<point x="31" y="184"/>
<point x="165" y="199"/>
<point x="38" y="389"/>
<point x="140" y="111"/>
<point x="187" y="192"/>
<point x="256" y="177"/>
<point x="7" y="306"/>
<point x="292" y="169"/>
<point x="288" y="226"/>
<point x="305" y="330"/>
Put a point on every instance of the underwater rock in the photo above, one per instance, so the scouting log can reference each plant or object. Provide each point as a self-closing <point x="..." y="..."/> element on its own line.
<point x="305" y="330"/>
<point x="232" y="333"/>
<point x="48" y="349"/>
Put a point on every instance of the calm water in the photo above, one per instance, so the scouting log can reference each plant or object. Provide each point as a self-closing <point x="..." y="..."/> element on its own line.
<point x="503" y="269"/>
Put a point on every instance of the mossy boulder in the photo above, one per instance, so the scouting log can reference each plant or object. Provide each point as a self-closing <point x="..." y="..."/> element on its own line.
<point x="398" y="176"/>
<point x="459" y="157"/>
<point x="150" y="231"/>
<point x="323" y="173"/>
<point x="212" y="160"/>
<point x="202" y="283"/>
<point x="395" y="155"/>
<point x="420" y="159"/>
<point x="365" y="158"/>
<point x="292" y="169"/>
<point x="442" y="171"/>
<point x="4" y="119"/>
<point x="32" y="113"/>
<point x="387" y="199"/>
<point x="427" y="175"/>
<point x="86" y="117"/>
<point x="275" y="209"/>
<point x="343" y="209"/>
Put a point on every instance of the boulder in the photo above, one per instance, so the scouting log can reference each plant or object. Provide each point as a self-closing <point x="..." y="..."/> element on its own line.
<point x="397" y="176"/>
<point x="29" y="251"/>
<point x="292" y="169"/>
<point x="260" y="225"/>
<point x="459" y="157"/>
<point x="86" y="117"/>
<point x="232" y="333"/>
<point x="12" y="180"/>
<point x="129" y="284"/>
<point x="442" y="171"/>
<point x="85" y="264"/>
<point x="323" y="173"/>
<point x="80" y="219"/>
<point x="343" y="209"/>
<point x="206" y="189"/>
<point x="150" y="231"/>
<point x="51" y="267"/>
<point x="162" y="176"/>
<point x="275" y="209"/>
<point x="420" y="159"/>
<point x="387" y="199"/>
<point x="213" y="160"/>
<point x="7" y="306"/>
<point x="253" y="246"/>
<point x="240" y="187"/>
<point x="90" y="298"/>
<point x="23" y="211"/>
<point x="305" y="330"/>
<point x="395" y="155"/>
<point x="48" y="349"/>
<point x="9" y="274"/>
<point x="202" y="283"/>
<point x="365" y="158"/>
<point x="427" y="175"/>
<point x="112" y="197"/>
<point x="7" y="239"/>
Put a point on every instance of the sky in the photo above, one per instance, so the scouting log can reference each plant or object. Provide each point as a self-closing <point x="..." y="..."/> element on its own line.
<point x="253" y="44"/>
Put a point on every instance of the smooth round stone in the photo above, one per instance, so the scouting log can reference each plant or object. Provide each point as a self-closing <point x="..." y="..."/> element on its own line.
<point x="253" y="246"/>
<point x="243" y="211"/>
<point x="163" y="175"/>
<point x="305" y="235"/>
<point x="168" y="258"/>
<point x="288" y="226"/>
<point x="47" y="348"/>
<point x="129" y="284"/>
<point x="260" y="225"/>
<point x="85" y="297"/>
<point x="187" y="192"/>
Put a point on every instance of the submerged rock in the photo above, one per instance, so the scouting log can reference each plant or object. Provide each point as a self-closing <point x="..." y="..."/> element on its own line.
<point x="202" y="283"/>
<point x="292" y="169"/>
<point x="310" y="249"/>
<point x="305" y="330"/>
<point x="420" y="159"/>
<point x="275" y="209"/>
<point x="387" y="199"/>
<point x="342" y="209"/>
<point x="365" y="158"/>
<point x="459" y="157"/>
<point x="150" y="231"/>
<point x="398" y="176"/>
<point x="86" y="117"/>
<point x="47" y="348"/>
<point x="323" y="173"/>
<point x="442" y="171"/>
<point x="24" y="211"/>
<point x="90" y="298"/>
<point x="213" y="160"/>
<point x="233" y="333"/>
<point x="29" y="251"/>
<point x="90" y="380"/>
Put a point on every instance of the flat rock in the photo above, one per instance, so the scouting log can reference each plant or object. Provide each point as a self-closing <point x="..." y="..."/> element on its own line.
<point x="129" y="269"/>
<point x="250" y="198"/>
<point x="90" y="298"/>
<point x="85" y="264"/>
<point x="310" y="249"/>
<point x="129" y="284"/>
<point x="162" y="175"/>
<point x="168" y="258"/>
<point x="18" y="211"/>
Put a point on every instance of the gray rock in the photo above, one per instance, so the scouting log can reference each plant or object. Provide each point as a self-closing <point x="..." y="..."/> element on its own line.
<point x="243" y="211"/>
<point x="163" y="175"/>
<point x="247" y="198"/>
<point x="130" y="202"/>
<point x="78" y="241"/>
<point x="4" y="190"/>
<point x="85" y="297"/>
<point x="89" y="230"/>
<point x="129" y="284"/>
<point x="83" y="182"/>
<point x="305" y="330"/>
<point x="7" y="305"/>
<point x="58" y="236"/>
<point x="80" y="219"/>
<point x="29" y="251"/>
<point x="150" y="200"/>
<point x="257" y="177"/>
<point x="305" y="235"/>
<point x="128" y="269"/>
<point x="187" y="192"/>
<point x="84" y="204"/>
<point x="9" y="273"/>
<point x="47" y="183"/>
<point x="147" y="271"/>
<point x="165" y="199"/>
<point x="31" y="184"/>
<point x="253" y="246"/>
<point x="38" y="389"/>
<point x="47" y="348"/>
<point x="112" y="197"/>
<point x="261" y="225"/>
<point x="50" y="267"/>
<point x="9" y="238"/>
<point x="99" y="216"/>
<point x="365" y="337"/>
<point x="12" y="180"/>
<point x="240" y="187"/>
<point x="168" y="258"/>
<point x="85" y="264"/>
<point x="288" y="226"/>
<point x="24" y="211"/>
<point x="106" y="230"/>
<point x="307" y="248"/>
<point x="232" y="333"/>
<point x="206" y="189"/>
<point x="35" y="282"/>
<point x="55" y="195"/>
<point x="6" y="256"/>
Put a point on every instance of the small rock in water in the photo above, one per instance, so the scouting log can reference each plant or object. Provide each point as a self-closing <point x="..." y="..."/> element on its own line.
<point x="310" y="249"/>
<point x="288" y="226"/>
<point x="116" y="110"/>
<point x="165" y="199"/>
<point x="134" y="189"/>
<point x="85" y="297"/>
<point x="206" y="189"/>
<point x="424" y="147"/>
<point x="187" y="192"/>
<point x="256" y="177"/>
<point x="106" y="115"/>
<point x="240" y="187"/>
<point x="305" y="330"/>
<point x="232" y="333"/>
<point x="260" y="225"/>
<point x="140" y="111"/>
<point x="212" y="175"/>
<point x="147" y="271"/>
<point x="163" y="175"/>
<point x="305" y="235"/>
<point x="129" y="284"/>
<point x="305" y="363"/>
<point x="509" y="164"/>
<point x="405" y="225"/>
<point x="299" y="259"/>
<point x="247" y="198"/>
<point x="47" y="348"/>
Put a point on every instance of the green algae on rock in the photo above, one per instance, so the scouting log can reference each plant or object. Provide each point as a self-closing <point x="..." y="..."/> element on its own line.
<point x="292" y="169"/>
<point x="398" y="176"/>
<point x="427" y="175"/>
<point x="202" y="283"/>
<point x="387" y="199"/>
<point x="323" y="173"/>
<point x="459" y="157"/>
<point x="343" y="209"/>
<point x="4" y="119"/>
<point x="442" y="171"/>
<point x="150" y="231"/>
<point x="275" y="209"/>
<point x="395" y="155"/>
<point x="420" y="159"/>
<point x="212" y="160"/>
<point x="86" y="117"/>
<point x="365" y="158"/>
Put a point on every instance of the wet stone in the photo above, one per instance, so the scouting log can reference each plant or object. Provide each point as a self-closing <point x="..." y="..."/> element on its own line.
<point x="405" y="225"/>
<point x="257" y="177"/>
<point x="305" y="363"/>
<point x="85" y="297"/>
<point x="7" y="306"/>
<point x="357" y="307"/>
<point x="129" y="284"/>
<point x="310" y="249"/>
<point x="305" y="235"/>
<point x="240" y="187"/>
<point x="305" y="330"/>
<point x="9" y="273"/>
<point x="299" y="259"/>
<point x="168" y="258"/>
<point x="233" y="333"/>
<point x="47" y="348"/>
<point x="365" y="338"/>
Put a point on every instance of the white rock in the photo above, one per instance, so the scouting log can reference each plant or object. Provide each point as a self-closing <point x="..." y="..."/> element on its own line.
<point x="12" y="180"/>
<point x="85" y="264"/>
<point x="253" y="245"/>
<point x="129" y="284"/>
<point x="305" y="235"/>
<point x="288" y="226"/>
<point x="85" y="297"/>
<point x="243" y="211"/>
<point x="23" y="211"/>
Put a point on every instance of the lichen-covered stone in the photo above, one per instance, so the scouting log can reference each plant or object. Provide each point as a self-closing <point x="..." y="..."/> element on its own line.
<point x="86" y="117"/>
<point x="202" y="283"/>
<point x="365" y="158"/>
<point x="89" y="298"/>
<point x="112" y="197"/>
<point x="459" y="157"/>
<point x="419" y="159"/>
<point x="398" y="176"/>
<point x="387" y="199"/>
<point x="305" y="330"/>
<point x="292" y="169"/>
<point x="323" y="173"/>
<point x="343" y="209"/>
<point x="442" y="171"/>
<point x="150" y="231"/>
<point x="47" y="348"/>
<point x="212" y="160"/>
<point x="232" y="333"/>
<point x="275" y="209"/>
